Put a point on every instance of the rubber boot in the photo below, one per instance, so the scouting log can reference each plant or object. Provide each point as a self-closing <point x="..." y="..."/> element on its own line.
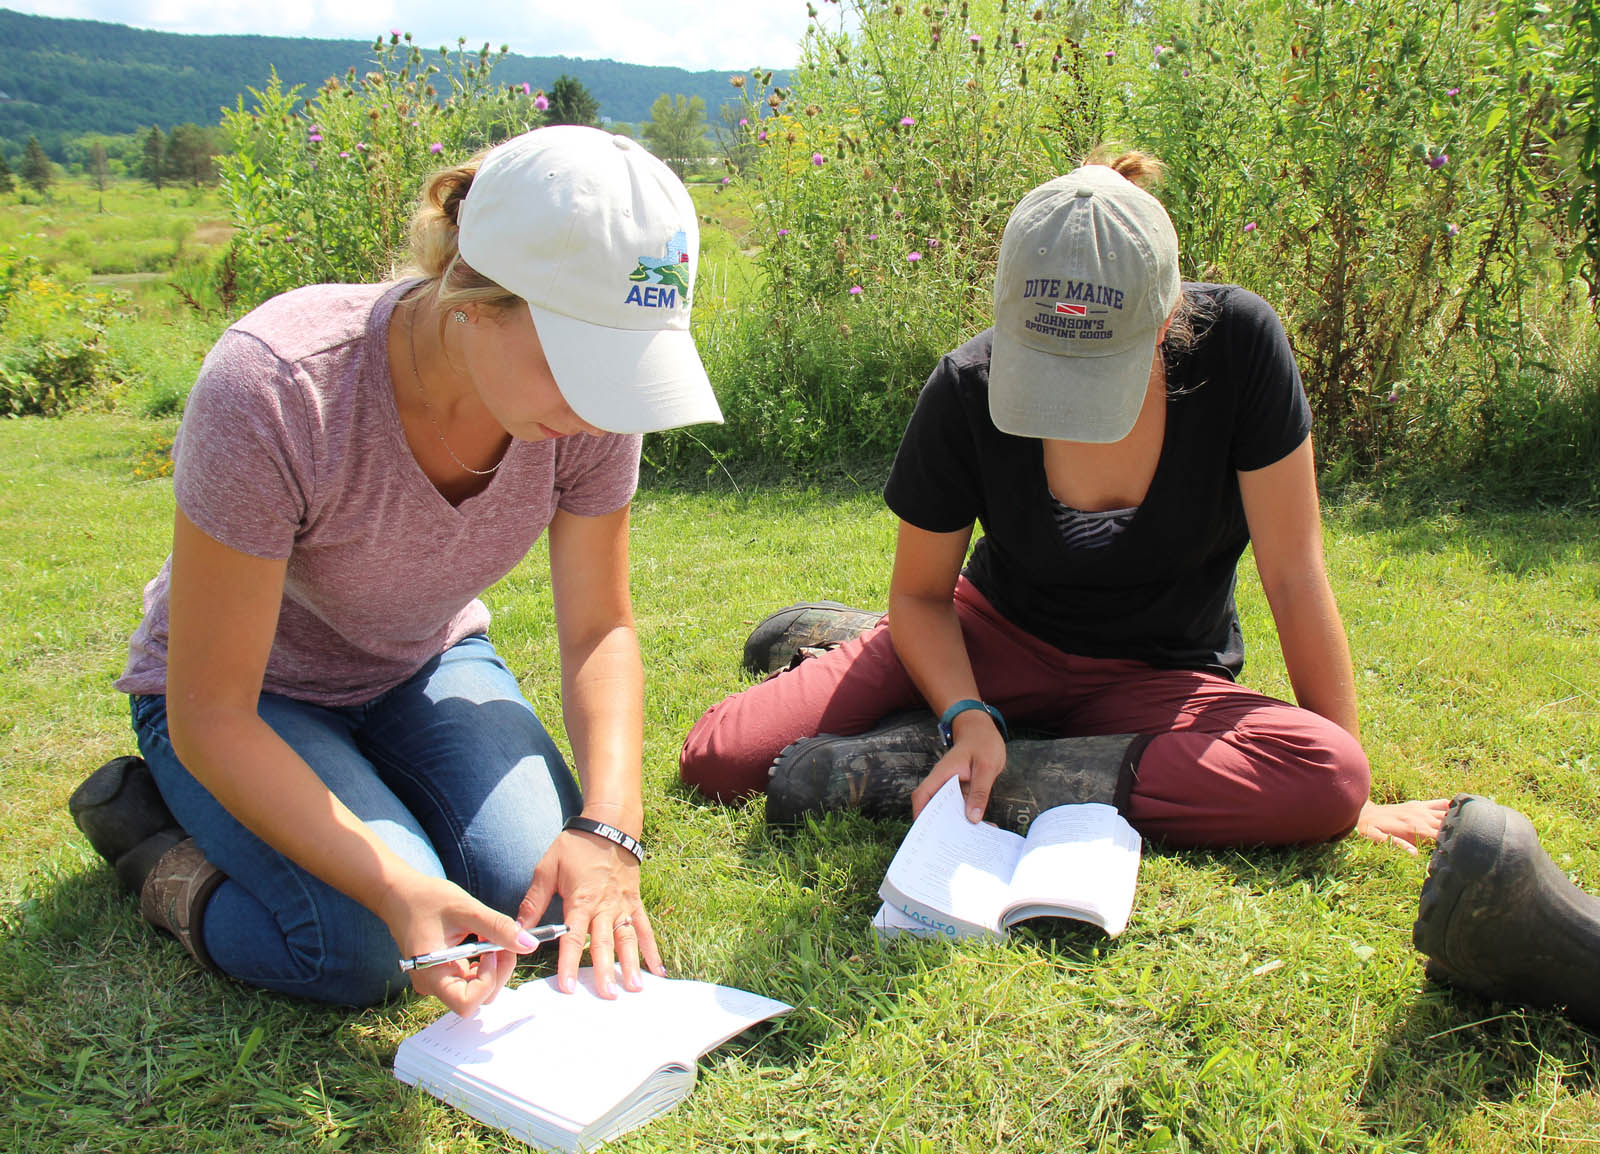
<point x="874" y="773"/>
<point x="1500" y="919"/>
<point x="119" y="809"/>
<point x="177" y="886"/>
<point x="802" y="631"/>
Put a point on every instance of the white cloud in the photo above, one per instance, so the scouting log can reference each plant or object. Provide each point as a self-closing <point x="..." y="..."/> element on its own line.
<point x="693" y="34"/>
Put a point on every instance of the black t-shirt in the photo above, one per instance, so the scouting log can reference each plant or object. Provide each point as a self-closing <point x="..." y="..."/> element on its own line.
<point x="1161" y="591"/>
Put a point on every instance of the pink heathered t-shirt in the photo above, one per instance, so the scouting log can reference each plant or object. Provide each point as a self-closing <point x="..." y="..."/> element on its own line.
<point x="291" y="446"/>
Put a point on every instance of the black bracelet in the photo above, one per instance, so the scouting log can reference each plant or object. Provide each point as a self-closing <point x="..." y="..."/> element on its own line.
<point x="609" y="832"/>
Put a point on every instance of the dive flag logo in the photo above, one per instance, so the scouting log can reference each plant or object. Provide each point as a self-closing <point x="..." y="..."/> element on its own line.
<point x="1071" y="310"/>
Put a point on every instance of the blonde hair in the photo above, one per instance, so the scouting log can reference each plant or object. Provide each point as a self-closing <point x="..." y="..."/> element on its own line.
<point x="434" y="251"/>
<point x="1192" y="315"/>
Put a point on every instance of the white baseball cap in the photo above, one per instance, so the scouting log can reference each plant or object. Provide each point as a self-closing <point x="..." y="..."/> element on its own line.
<point x="1088" y="273"/>
<point x="601" y="239"/>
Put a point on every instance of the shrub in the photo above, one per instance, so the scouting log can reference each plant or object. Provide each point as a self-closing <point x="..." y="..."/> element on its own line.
<point x="53" y="354"/>
<point x="322" y="188"/>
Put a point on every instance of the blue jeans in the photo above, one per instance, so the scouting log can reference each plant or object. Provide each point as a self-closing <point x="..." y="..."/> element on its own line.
<point x="452" y="769"/>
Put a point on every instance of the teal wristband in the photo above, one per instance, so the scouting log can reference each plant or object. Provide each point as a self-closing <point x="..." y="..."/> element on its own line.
<point x="961" y="707"/>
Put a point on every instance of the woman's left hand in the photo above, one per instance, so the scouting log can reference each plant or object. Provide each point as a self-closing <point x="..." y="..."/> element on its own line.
<point x="599" y="887"/>
<point x="1404" y="824"/>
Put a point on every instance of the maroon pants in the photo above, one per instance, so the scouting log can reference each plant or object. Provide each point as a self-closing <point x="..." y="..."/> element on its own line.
<point x="1227" y="766"/>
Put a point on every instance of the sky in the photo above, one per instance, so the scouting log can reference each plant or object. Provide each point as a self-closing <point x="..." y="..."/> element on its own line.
<point x="698" y="35"/>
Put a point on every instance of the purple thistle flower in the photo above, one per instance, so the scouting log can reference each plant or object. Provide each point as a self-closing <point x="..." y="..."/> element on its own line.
<point x="527" y="89"/>
<point x="361" y="146"/>
<point x="1251" y="227"/>
<point x="541" y="102"/>
<point x="344" y="156"/>
<point x="872" y="236"/>
<point x="1453" y="228"/>
<point x="394" y="32"/>
<point x="727" y="180"/>
<point x="744" y="122"/>
<point x="762" y="135"/>
<point x="1452" y="92"/>
<point x="855" y="290"/>
<point x="436" y="148"/>
<point x="1392" y="398"/>
<point x="1438" y="160"/>
<point x="1111" y="54"/>
<point x="913" y="257"/>
<point x="783" y="232"/>
<point x="974" y="38"/>
<point x="818" y="159"/>
<point x="315" y="138"/>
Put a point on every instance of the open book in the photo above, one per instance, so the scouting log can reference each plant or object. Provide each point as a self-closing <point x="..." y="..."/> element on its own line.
<point x="570" y="1071"/>
<point x="954" y="879"/>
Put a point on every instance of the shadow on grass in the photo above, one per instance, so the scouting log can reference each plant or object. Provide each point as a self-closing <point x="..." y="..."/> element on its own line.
<point x="1452" y="1052"/>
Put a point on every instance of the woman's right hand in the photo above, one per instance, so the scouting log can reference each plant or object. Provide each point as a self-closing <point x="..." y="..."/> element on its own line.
<point x="434" y="914"/>
<point x="977" y="758"/>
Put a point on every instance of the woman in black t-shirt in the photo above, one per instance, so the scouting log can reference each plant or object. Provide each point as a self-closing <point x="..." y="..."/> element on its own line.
<point x="1121" y="437"/>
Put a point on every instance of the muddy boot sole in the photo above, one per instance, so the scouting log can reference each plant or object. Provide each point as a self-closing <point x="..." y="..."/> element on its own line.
<point x="1498" y="918"/>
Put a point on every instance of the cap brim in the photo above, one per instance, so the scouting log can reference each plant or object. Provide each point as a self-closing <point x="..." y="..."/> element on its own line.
<point x="627" y="380"/>
<point x="1061" y="398"/>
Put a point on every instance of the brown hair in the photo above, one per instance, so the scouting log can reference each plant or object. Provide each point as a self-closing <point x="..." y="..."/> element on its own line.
<point x="1193" y="315"/>
<point x="435" y="235"/>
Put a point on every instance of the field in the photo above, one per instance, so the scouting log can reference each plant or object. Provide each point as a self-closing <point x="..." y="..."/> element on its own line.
<point x="1259" y="1001"/>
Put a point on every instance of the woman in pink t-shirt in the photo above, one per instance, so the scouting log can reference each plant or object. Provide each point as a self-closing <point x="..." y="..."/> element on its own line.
<point x="338" y="771"/>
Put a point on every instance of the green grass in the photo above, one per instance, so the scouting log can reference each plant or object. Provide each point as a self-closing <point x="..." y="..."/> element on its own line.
<point x="1258" y="1001"/>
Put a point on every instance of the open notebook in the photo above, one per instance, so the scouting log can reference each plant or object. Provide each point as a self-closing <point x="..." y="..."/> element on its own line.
<point x="569" y="1071"/>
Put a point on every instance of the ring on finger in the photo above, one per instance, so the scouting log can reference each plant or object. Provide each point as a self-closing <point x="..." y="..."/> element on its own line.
<point x="622" y="923"/>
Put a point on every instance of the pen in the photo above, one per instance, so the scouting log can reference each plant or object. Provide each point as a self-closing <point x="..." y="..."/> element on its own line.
<point x="474" y="949"/>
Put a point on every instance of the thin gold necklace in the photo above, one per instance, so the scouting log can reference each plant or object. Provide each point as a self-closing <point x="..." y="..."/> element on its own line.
<point x="411" y="342"/>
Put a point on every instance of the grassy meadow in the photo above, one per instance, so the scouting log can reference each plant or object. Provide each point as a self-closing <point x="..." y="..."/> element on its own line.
<point x="1258" y="1001"/>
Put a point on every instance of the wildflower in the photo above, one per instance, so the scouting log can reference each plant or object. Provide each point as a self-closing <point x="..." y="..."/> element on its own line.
<point x="872" y="236"/>
<point x="907" y="121"/>
<point x="727" y="180"/>
<point x="1453" y="228"/>
<point x="1438" y="160"/>
<point x="974" y="38"/>
<point x="783" y="232"/>
<point x="344" y="156"/>
<point x="1251" y="227"/>
<point x="315" y="138"/>
<point x="395" y="32"/>
<point x="1392" y="398"/>
<point x="818" y="159"/>
<point x="361" y="146"/>
<point x="1111" y="54"/>
<point x="736" y="81"/>
<point x="527" y="89"/>
<point x="436" y="148"/>
<point x="762" y="135"/>
<point x="855" y="290"/>
<point x="744" y="122"/>
<point x="933" y="242"/>
<point x="1452" y="92"/>
<point x="541" y="102"/>
<point x="913" y="257"/>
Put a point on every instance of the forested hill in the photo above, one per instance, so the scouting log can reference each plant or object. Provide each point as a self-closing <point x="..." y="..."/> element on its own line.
<point x="62" y="78"/>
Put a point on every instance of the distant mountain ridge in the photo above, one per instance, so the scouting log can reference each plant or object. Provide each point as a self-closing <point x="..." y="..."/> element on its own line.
<point x="63" y="78"/>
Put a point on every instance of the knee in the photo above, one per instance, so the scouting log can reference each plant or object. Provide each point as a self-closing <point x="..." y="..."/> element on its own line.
<point x="714" y="763"/>
<point x="1337" y="780"/>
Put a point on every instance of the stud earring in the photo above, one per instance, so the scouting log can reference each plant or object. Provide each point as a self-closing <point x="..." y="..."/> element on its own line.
<point x="460" y="317"/>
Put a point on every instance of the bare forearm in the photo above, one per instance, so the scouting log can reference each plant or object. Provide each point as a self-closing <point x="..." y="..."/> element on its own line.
<point x="603" y="707"/>
<point x="1316" y="651"/>
<point x="927" y="637"/>
<point x="261" y="781"/>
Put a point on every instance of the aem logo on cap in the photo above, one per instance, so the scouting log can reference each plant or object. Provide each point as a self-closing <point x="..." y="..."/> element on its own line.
<point x="663" y="278"/>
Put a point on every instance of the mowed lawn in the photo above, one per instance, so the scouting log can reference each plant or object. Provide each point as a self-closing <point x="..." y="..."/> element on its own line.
<point x="1258" y="1001"/>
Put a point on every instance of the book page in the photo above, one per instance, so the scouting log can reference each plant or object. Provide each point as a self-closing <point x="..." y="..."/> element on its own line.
<point x="578" y="1056"/>
<point x="947" y="865"/>
<point x="1080" y="860"/>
